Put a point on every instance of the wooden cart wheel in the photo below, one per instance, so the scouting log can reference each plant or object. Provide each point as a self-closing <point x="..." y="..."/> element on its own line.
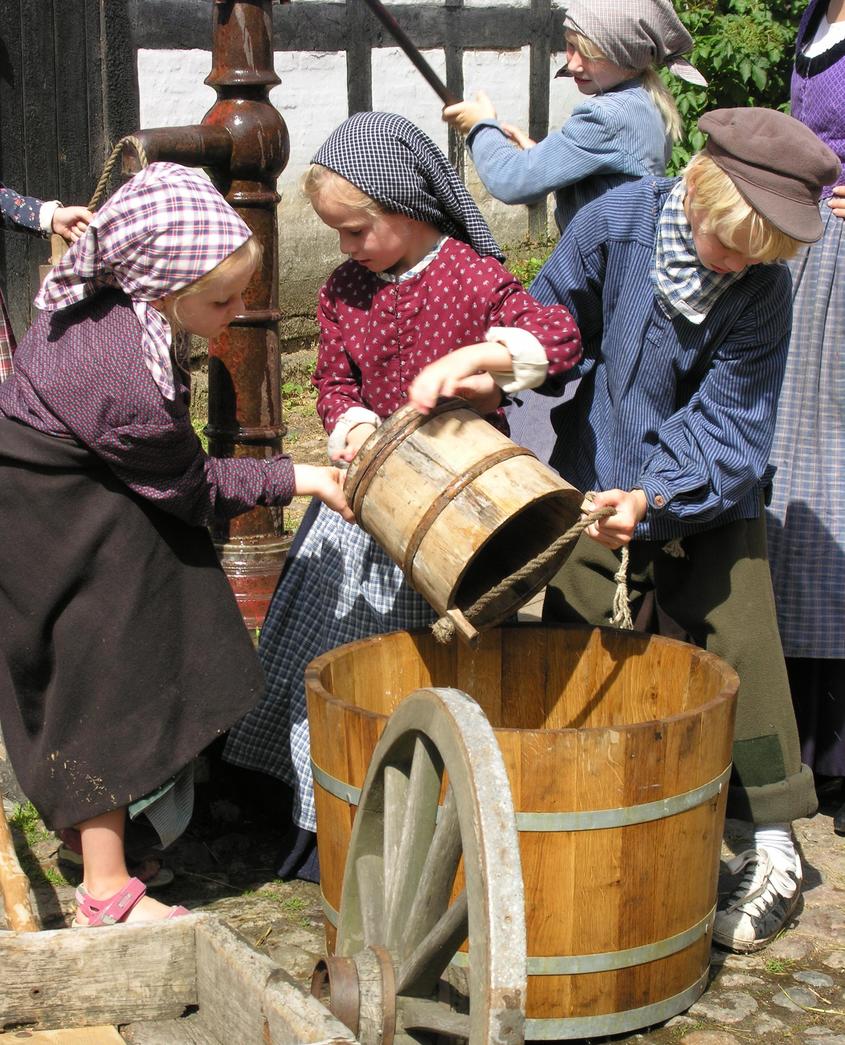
<point x="399" y="927"/>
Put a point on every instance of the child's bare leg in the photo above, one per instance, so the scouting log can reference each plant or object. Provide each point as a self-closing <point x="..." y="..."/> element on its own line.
<point x="104" y="864"/>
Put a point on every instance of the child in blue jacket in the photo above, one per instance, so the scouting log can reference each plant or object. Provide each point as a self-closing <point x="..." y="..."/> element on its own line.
<point x="684" y="309"/>
<point x="623" y="129"/>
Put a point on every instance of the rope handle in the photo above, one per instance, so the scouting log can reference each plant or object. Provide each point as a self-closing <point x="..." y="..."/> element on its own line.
<point x="108" y="167"/>
<point x="58" y="247"/>
<point x="444" y="628"/>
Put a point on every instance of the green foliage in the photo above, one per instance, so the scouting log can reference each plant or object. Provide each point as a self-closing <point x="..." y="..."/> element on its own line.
<point x="745" y="49"/>
<point x="26" y="819"/>
<point x="198" y="424"/>
<point x="526" y="261"/>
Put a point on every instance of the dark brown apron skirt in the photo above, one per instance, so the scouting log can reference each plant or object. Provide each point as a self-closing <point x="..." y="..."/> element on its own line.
<point x="122" y="650"/>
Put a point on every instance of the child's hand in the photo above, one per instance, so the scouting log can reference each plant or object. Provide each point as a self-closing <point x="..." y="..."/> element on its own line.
<point x="463" y="116"/>
<point x="464" y="372"/>
<point x="614" y="531"/>
<point x="481" y="392"/>
<point x="324" y="483"/>
<point x="837" y="201"/>
<point x="517" y="136"/>
<point x="355" y="439"/>
<point x="71" y="222"/>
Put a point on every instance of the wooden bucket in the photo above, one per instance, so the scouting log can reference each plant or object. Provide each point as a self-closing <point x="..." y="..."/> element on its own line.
<point x="618" y="751"/>
<point x="459" y="507"/>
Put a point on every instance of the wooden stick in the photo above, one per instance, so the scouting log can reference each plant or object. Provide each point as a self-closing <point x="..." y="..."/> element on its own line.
<point x="14" y="884"/>
<point x="401" y="37"/>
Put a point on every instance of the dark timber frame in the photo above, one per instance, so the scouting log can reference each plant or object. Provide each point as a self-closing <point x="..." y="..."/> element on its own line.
<point x="69" y="89"/>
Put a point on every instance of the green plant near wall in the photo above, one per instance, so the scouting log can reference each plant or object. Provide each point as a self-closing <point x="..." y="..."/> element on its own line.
<point x="745" y="49"/>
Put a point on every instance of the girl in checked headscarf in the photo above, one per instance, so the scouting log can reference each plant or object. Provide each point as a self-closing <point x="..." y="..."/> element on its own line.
<point x="624" y="127"/>
<point x="423" y="278"/>
<point x="122" y="652"/>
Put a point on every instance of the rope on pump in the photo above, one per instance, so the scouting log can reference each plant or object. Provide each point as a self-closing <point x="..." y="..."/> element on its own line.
<point x="108" y="167"/>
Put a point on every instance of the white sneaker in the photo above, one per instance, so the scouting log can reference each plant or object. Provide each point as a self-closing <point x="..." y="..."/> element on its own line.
<point x="761" y="904"/>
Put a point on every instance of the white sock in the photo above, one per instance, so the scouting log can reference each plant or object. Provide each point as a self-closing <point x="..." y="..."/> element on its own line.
<point x="777" y="840"/>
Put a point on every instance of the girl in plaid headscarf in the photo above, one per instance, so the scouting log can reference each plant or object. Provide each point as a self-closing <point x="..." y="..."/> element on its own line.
<point x="123" y="652"/>
<point x="423" y="278"/>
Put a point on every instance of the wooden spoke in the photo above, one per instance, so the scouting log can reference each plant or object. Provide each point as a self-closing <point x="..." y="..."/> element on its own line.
<point x="420" y="1014"/>
<point x="395" y="800"/>
<point x="419" y="973"/>
<point x="369" y="873"/>
<point x="415" y="841"/>
<point x="437" y="876"/>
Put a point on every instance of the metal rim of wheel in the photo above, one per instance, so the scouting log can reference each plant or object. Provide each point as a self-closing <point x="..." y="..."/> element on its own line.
<point x="398" y="932"/>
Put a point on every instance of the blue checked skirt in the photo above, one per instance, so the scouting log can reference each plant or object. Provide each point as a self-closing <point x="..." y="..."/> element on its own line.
<point x="338" y="586"/>
<point x="806" y="519"/>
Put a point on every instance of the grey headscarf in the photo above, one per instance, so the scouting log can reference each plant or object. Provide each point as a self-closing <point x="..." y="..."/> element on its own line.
<point x="635" y="34"/>
<point x="394" y="163"/>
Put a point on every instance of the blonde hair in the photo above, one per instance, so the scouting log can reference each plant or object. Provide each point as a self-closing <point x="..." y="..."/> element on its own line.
<point x="656" y="88"/>
<point x="319" y="179"/>
<point x="251" y="249"/>
<point x="726" y="215"/>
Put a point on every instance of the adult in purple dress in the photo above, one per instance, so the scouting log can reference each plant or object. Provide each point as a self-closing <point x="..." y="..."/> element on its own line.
<point x="807" y="514"/>
<point x="122" y="651"/>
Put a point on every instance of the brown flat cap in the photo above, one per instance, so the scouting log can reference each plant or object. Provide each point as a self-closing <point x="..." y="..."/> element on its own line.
<point x="777" y="164"/>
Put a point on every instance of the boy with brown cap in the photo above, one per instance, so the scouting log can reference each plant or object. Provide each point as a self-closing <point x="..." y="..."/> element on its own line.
<point x="685" y="310"/>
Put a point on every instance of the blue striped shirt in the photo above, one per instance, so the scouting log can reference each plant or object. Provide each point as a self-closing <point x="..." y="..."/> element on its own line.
<point x="607" y="140"/>
<point x="684" y="411"/>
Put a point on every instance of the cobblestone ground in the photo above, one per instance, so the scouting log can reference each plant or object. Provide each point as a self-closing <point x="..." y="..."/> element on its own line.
<point x="792" y="992"/>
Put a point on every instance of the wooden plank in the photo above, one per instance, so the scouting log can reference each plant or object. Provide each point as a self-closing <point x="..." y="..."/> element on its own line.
<point x="118" y="64"/>
<point x="453" y="47"/>
<point x="294" y="1017"/>
<point x="190" y="1030"/>
<point x="69" y="103"/>
<point x="184" y="24"/>
<point x="359" y="59"/>
<point x="538" y="96"/>
<point x="40" y="134"/>
<point x="78" y="1036"/>
<point x="230" y="983"/>
<point x="77" y="978"/>
<point x="14" y="259"/>
<point x="245" y="997"/>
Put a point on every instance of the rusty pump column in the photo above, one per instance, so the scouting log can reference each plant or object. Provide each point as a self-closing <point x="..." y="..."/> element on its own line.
<point x="244" y="143"/>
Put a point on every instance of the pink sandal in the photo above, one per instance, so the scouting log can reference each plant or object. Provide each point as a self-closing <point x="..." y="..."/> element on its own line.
<point x="116" y="908"/>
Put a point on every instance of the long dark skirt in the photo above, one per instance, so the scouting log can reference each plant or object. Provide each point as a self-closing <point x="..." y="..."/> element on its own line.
<point x="818" y="696"/>
<point x="122" y="651"/>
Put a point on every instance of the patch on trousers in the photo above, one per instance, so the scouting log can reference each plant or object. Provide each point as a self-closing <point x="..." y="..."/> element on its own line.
<point x="759" y="761"/>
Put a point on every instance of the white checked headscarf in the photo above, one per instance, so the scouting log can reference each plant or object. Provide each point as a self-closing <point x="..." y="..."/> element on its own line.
<point x="635" y="34"/>
<point x="397" y="165"/>
<point x="159" y="232"/>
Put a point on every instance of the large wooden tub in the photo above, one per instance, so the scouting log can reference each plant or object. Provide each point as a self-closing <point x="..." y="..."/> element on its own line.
<point x="618" y="751"/>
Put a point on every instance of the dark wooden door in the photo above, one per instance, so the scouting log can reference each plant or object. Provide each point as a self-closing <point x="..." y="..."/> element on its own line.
<point x="64" y="100"/>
